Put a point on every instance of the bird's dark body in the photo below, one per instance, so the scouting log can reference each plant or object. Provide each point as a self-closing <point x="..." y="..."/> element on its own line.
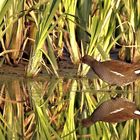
<point x="113" y="72"/>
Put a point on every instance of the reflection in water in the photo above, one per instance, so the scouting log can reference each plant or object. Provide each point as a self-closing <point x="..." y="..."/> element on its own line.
<point x="114" y="110"/>
<point x="53" y="109"/>
<point x="12" y="109"/>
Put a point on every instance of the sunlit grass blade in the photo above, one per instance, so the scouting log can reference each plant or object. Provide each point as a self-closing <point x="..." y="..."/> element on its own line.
<point x="4" y="7"/>
<point x="102" y="28"/>
<point x="70" y="8"/>
<point x="44" y="29"/>
<point x="43" y="126"/>
<point x="69" y="125"/>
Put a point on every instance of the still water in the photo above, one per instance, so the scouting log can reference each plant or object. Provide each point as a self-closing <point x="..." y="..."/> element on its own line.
<point x="60" y="108"/>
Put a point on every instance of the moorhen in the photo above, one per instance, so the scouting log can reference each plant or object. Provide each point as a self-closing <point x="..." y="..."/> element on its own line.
<point x="112" y="111"/>
<point x="114" y="72"/>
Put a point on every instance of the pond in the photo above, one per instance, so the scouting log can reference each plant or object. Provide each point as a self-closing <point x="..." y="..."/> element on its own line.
<point x="57" y="108"/>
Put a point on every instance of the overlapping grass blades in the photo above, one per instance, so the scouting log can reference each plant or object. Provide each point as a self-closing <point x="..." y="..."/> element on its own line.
<point x="44" y="28"/>
<point x="130" y="29"/>
<point x="52" y="109"/>
<point x="70" y="9"/>
<point x="43" y="127"/>
<point x="102" y="29"/>
<point x="101" y="20"/>
<point x="69" y="125"/>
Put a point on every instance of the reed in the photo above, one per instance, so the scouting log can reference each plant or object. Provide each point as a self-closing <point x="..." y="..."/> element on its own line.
<point x="45" y="26"/>
<point x="102" y="28"/>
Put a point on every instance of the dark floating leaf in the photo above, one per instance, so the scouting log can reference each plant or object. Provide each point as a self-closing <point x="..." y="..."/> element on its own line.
<point x="112" y="111"/>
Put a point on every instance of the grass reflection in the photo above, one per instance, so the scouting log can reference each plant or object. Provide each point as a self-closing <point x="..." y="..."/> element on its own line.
<point x="53" y="109"/>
